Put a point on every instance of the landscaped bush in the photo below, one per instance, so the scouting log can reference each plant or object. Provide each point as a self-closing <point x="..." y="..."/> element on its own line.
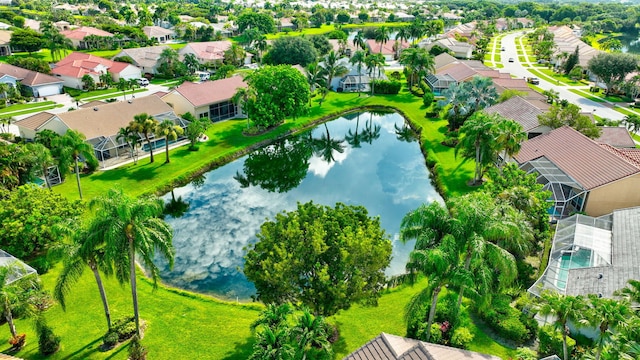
<point x="551" y="342"/>
<point x="122" y="329"/>
<point x="391" y="87"/>
<point x="136" y="350"/>
<point x="417" y="91"/>
<point x="461" y="337"/>
<point x="525" y="353"/>
<point x="507" y="321"/>
<point x="395" y="75"/>
<point x="41" y="264"/>
<point x="427" y="98"/>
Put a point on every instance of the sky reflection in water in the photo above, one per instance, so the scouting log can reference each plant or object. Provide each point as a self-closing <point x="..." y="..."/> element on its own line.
<point x="384" y="174"/>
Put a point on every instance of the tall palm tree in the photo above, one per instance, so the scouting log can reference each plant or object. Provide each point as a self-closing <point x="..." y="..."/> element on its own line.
<point x="382" y="36"/>
<point x="358" y="59"/>
<point x="123" y="85"/>
<point x="358" y="40"/>
<point x="374" y="62"/>
<point x="5" y="122"/>
<point x="481" y="91"/>
<point x="315" y="77"/>
<point x="606" y="314"/>
<point x="311" y="335"/>
<point x="12" y="291"/>
<point x="478" y="138"/>
<point x="241" y="98"/>
<point x="170" y="131"/>
<point x="260" y="43"/>
<point x="456" y="97"/>
<point x="42" y="155"/>
<point x="403" y="35"/>
<point x="144" y="124"/>
<point x="332" y="68"/>
<point x="132" y="226"/>
<point x="418" y="62"/>
<point x="131" y="138"/>
<point x="81" y="250"/>
<point x="510" y="137"/>
<point x="563" y="309"/>
<point x="72" y="145"/>
<point x="632" y="122"/>
<point x="416" y="30"/>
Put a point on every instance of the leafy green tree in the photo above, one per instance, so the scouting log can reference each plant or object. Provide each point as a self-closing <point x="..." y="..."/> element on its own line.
<point x="42" y="156"/>
<point x="73" y="146"/>
<point x="606" y="315"/>
<point x="18" y="165"/>
<point x="27" y="40"/>
<point x="241" y="98"/>
<point x="279" y="167"/>
<point x="234" y="55"/>
<point x="481" y="92"/>
<point x="374" y="62"/>
<point x="292" y="50"/>
<point x="170" y="131"/>
<point x="572" y="60"/>
<point x="569" y="115"/>
<point x="321" y="44"/>
<point x="34" y="64"/>
<point x="281" y="91"/>
<point x="169" y="65"/>
<point x="418" y="63"/>
<point x="88" y="82"/>
<point x="145" y="125"/>
<point x="195" y="130"/>
<point x="191" y="63"/>
<point x="327" y="258"/>
<point x="131" y="226"/>
<point x="258" y="20"/>
<point x="83" y="249"/>
<point x="478" y="141"/>
<point x="456" y="101"/>
<point x="612" y="68"/>
<point x="564" y="309"/>
<point x="33" y="212"/>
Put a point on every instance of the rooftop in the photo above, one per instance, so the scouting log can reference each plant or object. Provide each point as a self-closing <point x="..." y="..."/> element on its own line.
<point x="519" y="110"/>
<point x="210" y="92"/>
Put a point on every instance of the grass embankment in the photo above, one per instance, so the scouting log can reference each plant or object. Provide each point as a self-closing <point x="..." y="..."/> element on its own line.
<point x="226" y="139"/>
<point x="21" y="109"/>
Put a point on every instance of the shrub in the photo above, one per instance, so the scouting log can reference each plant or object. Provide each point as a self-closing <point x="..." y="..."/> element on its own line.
<point x="122" y="329"/>
<point x="48" y="342"/>
<point x="508" y="322"/>
<point x="512" y="328"/>
<point x="41" y="265"/>
<point x="391" y="87"/>
<point x="395" y="75"/>
<point x="136" y="350"/>
<point x="427" y="99"/>
<point x="551" y="342"/>
<point x="524" y="353"/>
<point x="417" y="91"/>
<point x="461" y="337"/>
<point x="110" y="339"/>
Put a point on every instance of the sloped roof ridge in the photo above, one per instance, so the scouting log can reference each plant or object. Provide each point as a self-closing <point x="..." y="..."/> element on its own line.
<point x="620" y="154"/>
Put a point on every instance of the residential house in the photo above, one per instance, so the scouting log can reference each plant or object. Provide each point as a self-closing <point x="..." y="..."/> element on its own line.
<point x="349" y="48"/>
<point x="38" y="84"/>
<point x="460" y="50"/>
<point x="210" y="52"/>
<point x="387" y="49"/>
<point x="209" y="99"/>
<point x="525" y="23"/>
<point x="286" y="23"/>
<point x="403" y="16"/>
<point x="100" y="124"/>
<point x="32" y="24"/>
<point x="451" y="74"/>
<point x="524" y="112"/>
<point x="566" y="42"/>
<point x="5" y="42"/>
<point x="354" y="79"/>
<point x="593" y="255"/>
<point x="463" y="30"/>
<point x="74" y="66"/>
<point x="391" y="347"/>
<point x="161" y="35"/>
<point x="78" y="35"/>
<point x="582" y="174"/>
<point x="145" y="58"/>
<point x="616" y="136"/>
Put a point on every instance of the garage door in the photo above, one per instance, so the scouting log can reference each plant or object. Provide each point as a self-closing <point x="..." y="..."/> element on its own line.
<point x="48" y="90"/>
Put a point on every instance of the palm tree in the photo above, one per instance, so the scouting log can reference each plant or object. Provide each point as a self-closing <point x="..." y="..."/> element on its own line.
<point x="332" y="68"/>
<point x="273" y="316"/>
<point x="131" y="138"/>
<point x="123" y="85"/>
<point x="5" y="122"/>
<point x="81" y="250"/>
<point x="325" y="146"/>
<point x="403" y="35"/>
<point x="631" y="292"/>
<point x="170" y="131"/>
<point x="315" y="77"/>
<point x="510" y="137"/>
<point x="241" y="98"/>
<point x="191" y="62"/>
<point x="144" y="124"/>
<point x="374" y="62"/>
<point x="563" y="309"/>
<point x="382" y="36"/>
<point x="260" y="43"/>
<point x="311" y="335"/>
<point x="358" y="59"/>
<point x="478" y="139"/>
<point x="4" y="89"/>
<point x="42" y="156"/>
<point x="272" y="344"/>
<point x="131" y="226"/>
<point x="358" y="40"/>
<point x="418" y="63"/>
<point x="632" y="122"/>
<point x="606" y="314"/>
<point x="72" y="146"/>
<point x="12" y="291"/>
<point x="105" y="78"/>
<point x="481" y="92"/>
<point x="456" y="97"/>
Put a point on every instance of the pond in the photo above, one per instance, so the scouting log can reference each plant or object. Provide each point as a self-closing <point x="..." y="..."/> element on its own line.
<point x="630" y="43"/>
<point x="370" y="159"/>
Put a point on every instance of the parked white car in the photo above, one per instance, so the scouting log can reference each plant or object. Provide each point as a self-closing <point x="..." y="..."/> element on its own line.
<point x="142" y="82"/>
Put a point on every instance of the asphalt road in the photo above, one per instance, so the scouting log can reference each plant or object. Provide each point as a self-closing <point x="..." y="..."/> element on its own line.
<point x="516" y="68"/>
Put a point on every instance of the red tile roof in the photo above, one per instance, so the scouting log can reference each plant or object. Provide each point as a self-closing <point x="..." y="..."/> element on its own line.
<point x="210" y="92"/>
<point x="387" y="48"/>
<point x="79" y="64"/>
<point x="83" y="31"/>
<point x="211" y="50"/>
<point x="617" y="137"/>
<point x="27" y="77"/>
<point x="458" y="71"/>
<point x="587" y="162"/>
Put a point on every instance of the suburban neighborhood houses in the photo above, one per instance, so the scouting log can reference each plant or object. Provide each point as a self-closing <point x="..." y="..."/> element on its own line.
<point x="320" y="180"/>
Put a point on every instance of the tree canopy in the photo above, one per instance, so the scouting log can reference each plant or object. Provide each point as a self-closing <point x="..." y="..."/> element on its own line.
<point x="612" y="68"/>
<point x="27" y="40"/>
<point x="261" y="21"/>
<point x="326" y="258"/>
<point x="292" y="50"/>
<point x="280" y="91"/>
<point x="559" y="115"/>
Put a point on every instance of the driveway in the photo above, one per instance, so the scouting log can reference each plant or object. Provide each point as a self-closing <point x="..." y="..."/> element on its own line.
<point x="517" y="69"/>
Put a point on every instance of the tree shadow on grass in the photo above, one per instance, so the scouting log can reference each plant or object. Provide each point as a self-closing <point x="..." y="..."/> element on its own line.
<point x="120" y="348"/>
<point x="242" y="350"/>
<point x="340" y="346"/>
<point x="85" y="351"/>
<point x="142" y="172"/>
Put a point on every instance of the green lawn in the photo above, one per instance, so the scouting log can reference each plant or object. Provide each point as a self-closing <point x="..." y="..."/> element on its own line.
<point x="28" y="106"/>
<point x="177" y="46"/>
<point x="106" y="93"/>
<point x="561" y="77"/>
<point x="226" y="139"/>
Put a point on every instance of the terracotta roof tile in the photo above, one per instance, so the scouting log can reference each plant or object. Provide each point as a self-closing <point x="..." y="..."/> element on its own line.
<point x="33" y="122"/>
<point x="458" y="71"/>
<point x="83" y="31"/>
<point x="617" y="137"/>
<point x="210" y="92"/>
<point x="211" y="50"/>
<point x="583" y="159"/>
<point x="387" y="48"/>
<point x="78" y="64"/>
<point x="27" y="77"/>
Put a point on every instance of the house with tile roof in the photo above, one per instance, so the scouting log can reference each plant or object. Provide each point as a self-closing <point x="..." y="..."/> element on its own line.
<point x="566" y="41"/>
<point x="387" y="49"/>
<point x="392" y="347"/>
<point x="74" y="66"/>
<point x="582" y="174"/>
<point x="593" y="255"/>
<point x="100" y="124"/>
<point x="78" y="35"/>
<point x="209" y="99"/>
<point x="145" y="58"/>
<point x="210" y="52"/>
<point x="161" y="35"/>
<point x="5" y="42"/>
<point x="523" y="112"/>
<point x="617" y="137"/>
<point x="460" y="50"/>
<point x="38" y="84"/>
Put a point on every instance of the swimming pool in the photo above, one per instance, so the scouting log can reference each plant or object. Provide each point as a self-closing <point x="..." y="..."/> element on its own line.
<point x="571" y="260"/>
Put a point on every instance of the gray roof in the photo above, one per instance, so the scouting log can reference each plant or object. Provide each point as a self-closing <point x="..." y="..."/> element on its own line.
<point x="145" y="56"/>
<point x="392" y="347"/>
<point x="519" y="110"/>
<point x="617" y="137"/>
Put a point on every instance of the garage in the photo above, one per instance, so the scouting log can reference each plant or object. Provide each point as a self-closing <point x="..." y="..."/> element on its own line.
<point x="47" y="90"/>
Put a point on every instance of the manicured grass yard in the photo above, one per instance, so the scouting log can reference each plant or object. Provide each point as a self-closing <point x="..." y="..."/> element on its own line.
<point x="19" y="109"/>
